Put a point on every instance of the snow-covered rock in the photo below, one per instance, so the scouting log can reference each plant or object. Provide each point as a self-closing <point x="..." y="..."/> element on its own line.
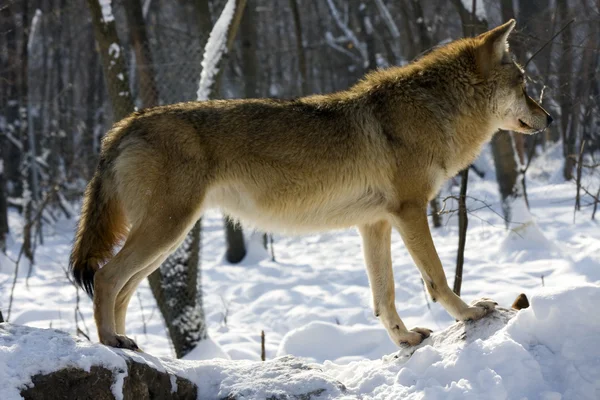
<point x="548" y="351"/>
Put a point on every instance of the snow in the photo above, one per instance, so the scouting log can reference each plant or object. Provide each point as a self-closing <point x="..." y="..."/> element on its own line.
<point x="114" y="51"/>
<point x="44" y="351"/>
<point x="34" y="28"/>
<point x="106" y="6"/>
<point x="215" y="48"/>
<point x="207" y="349"/>
<point x="548" y="351"/>
<point x="322" y="341"/>
<point x="314" y="302"/>
<point x="479" y="8"/>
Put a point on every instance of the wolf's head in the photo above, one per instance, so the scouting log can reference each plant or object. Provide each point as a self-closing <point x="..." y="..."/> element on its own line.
<point x="512" y="106"/>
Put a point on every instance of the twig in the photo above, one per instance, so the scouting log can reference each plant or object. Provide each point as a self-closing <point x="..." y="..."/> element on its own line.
<point x="142" y="309"/>
<point x="548" y="42"/>
<point x="263" y="352"/>
<point x="578" y="180"/>
<point x="78" y="313"/>
<point x="38" y="230"/>
<point x="272" y="248"/>
<point x="596" y="201"/>
<point x="485" y="205"/>
<point x="21" y="251"/>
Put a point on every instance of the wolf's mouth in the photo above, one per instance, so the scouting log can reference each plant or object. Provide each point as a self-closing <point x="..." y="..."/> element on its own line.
<point x="524" y="125"/>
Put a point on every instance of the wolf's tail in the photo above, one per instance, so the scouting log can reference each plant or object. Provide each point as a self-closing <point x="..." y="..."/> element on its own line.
<point x="101" y="227"/>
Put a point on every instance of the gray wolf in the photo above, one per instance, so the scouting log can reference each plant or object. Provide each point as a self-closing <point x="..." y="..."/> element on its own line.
<point x="371" y="156"/>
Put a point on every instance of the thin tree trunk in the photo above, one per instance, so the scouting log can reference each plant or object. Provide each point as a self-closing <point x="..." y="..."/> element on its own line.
<point x="3" y="207"/>
<point x="434" y="204"/>
<point x="463" y="223"/>
<point x="12" y="152"/>
<point x="566" y="102"/>
<point x="507" y="169"/>
<point x="26" y="157"/>
<point x="113" y="62"/>
<point x="143" y="57"/>
<point x="248" y="38"/>
<point x="177" y="289"/>
<point x="304" y="85"/>
<point x="89" y="134"/>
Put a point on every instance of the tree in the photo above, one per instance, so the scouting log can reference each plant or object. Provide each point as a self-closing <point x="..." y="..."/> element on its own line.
<point x="143" y="57"/>
<point x="112" y="56"/>
<point x="3" y="208"/>
<point x="304" y="86"/>
<point x="566" y="99"/>
<point x="177" y="288"/>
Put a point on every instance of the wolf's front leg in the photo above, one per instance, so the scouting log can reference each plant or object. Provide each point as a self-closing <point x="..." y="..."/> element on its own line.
<point x="411" y="221"/>
<point x="376" y="245"/>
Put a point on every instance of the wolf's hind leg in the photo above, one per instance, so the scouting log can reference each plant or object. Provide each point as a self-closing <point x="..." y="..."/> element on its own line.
<point x="148" y="243"/>
<point x="411" y="221"/>
<point x="128" y="290"/>
<point x="376" y="245"/>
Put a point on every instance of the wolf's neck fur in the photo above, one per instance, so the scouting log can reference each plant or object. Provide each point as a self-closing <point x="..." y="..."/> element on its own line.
<point x="442" y="93"/>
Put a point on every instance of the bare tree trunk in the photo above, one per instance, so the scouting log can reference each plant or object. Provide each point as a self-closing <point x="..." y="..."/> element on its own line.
<point x="203" y="16"/>
<point x="3" y="207"/>
<point x="566" y="102"/>
<point x="26" y="157"/>
<point x="176" y="285"/>
<point x="88" y="139"/>
<point x="507" y="169"/>
<point x="113" y="62"/>
<point x="143" y="57"/>
<point x="304" y="85"/>
<point x="234" y="237"/>
<point x="248" y="38"/>
<point x="434" y="204"/>
<point x="463" y="223"/>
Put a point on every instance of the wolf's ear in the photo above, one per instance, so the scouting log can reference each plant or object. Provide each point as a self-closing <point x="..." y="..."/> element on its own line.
<point x="493" y="46"/>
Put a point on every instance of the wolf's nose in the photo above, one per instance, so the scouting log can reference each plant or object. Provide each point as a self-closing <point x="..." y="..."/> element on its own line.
<point x="549" y="119"/>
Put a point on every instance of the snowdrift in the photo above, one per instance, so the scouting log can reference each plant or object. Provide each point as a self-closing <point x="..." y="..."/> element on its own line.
<point x="548" y="351"/>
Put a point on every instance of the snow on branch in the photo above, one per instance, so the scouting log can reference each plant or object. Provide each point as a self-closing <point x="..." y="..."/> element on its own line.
<point x="214" y="50"/>
<point x="107" y="15"/>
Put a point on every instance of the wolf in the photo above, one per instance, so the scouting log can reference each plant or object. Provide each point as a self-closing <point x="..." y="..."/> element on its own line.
<point x="371" y="156"/>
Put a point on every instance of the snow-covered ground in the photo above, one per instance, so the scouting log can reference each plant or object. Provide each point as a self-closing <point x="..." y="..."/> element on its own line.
<point x="548" y="351"/>
<point x="314" y="301"/>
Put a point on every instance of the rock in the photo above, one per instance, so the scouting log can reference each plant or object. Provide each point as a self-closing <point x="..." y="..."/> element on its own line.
<point x="51" y="364"/>
<point x="142" y="382"/>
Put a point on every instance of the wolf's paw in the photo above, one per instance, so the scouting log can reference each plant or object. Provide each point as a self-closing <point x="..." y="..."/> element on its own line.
<point x="120" y="341"/>
<point x="410" y="338"/>
<point x="478" y="309"/>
